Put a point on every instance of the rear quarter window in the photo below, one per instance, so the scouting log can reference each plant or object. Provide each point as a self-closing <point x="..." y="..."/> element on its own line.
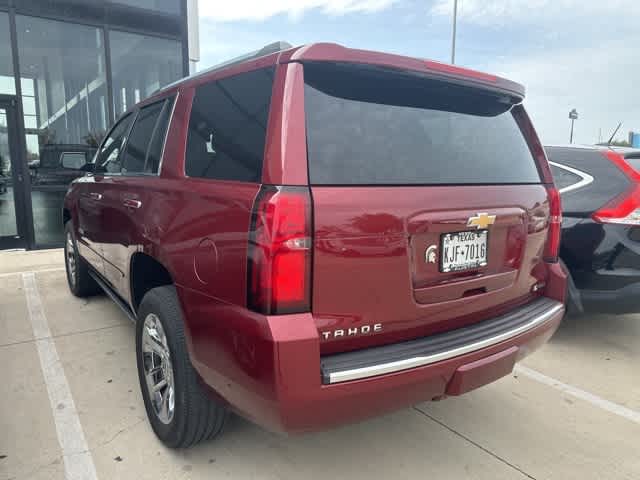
<point x="564" y="178"/>
<point x="227" y="128"/>
<point x="369" y="125"/>
<point x="634" y="161"/>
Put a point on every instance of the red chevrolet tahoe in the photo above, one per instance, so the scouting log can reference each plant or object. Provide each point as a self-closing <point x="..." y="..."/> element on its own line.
<point x="315" y="235"/>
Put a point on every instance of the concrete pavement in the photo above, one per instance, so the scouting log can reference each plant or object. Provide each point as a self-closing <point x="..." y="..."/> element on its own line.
<point x="516" y="428"/>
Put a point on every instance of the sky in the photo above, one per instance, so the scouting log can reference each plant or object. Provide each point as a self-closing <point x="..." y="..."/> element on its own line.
<point x="582" y="54"/>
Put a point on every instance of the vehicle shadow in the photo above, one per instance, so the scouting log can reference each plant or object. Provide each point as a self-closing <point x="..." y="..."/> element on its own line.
<point x="403" y="444"/>
<point x="597" y="326"/>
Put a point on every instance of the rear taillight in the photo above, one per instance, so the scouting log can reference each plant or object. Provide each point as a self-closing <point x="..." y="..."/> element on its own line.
<point x="552" y="248"/>
<point x="279" y="255"/>
<point x="625" y="208"/>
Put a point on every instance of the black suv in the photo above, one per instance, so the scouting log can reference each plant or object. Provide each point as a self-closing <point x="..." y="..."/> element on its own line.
<point x="600" y="189"/>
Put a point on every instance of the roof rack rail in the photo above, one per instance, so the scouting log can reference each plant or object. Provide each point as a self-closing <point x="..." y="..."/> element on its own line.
<point x="266" y="50"/>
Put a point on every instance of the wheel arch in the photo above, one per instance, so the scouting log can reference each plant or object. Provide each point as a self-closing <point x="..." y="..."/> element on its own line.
<point x="66" y="215"/>
<point x="146" y="272"/>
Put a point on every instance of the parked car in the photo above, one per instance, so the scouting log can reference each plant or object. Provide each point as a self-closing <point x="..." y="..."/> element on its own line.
<point x="59" y="164"/>
<point x="315" y="235"/>
<point x="600" y="189"/>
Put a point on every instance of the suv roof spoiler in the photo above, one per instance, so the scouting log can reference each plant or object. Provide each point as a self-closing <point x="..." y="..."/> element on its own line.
<point x="338" y="53"/>
<point x="261" y="52"/>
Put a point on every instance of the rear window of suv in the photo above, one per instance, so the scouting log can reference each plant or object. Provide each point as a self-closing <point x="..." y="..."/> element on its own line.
<point x="369" y="125"/>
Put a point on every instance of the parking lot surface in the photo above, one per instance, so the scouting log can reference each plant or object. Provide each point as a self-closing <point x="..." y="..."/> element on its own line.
<point x="70" y="406"/>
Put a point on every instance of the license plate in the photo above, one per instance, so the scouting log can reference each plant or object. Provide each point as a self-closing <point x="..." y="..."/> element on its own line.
<point x="463" y="250"/>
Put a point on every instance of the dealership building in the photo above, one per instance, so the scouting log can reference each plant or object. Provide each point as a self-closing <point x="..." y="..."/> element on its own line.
<point x="68" y="68"/>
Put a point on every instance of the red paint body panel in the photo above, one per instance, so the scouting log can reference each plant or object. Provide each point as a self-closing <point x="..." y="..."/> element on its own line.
<point x="481" y="372"/>
<point x="285" y="159"/>
<point x="267" y="369"/>
<point x="368" y="243"/>
<point x="175" y="144"/>
<point x="332" y="52"/>
<point x="369" y="266"/>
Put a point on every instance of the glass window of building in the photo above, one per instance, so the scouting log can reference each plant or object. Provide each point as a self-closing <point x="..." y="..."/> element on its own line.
<point x="165" y="6"/>
<point x="7" y="82"/>
<point x="8" y="226"/>
<point x="162" y="61"/>
<point x="64" y="99"/>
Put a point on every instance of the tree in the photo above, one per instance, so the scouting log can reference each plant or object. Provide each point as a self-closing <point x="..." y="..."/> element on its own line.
<point x="94" y="139"/>
<point x="615" y="143"/>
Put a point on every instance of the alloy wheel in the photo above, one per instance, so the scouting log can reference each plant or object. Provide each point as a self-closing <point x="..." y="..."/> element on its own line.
<point x="70" y="256"/>
<point x="158" y="370"/>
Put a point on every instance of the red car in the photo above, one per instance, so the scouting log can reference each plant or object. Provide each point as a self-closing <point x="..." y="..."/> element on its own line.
<point x="315" y="235"/>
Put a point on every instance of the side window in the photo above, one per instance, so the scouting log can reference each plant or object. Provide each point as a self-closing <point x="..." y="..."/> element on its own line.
<point x="227" y="128"/>
<point x="154" y="154"/>
<point x="564" y="178"/>
<point x="108" y="157"/>
<point x="140" y="139"/>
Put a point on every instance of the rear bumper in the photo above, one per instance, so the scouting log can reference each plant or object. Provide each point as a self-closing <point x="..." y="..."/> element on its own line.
<point x="615" y="290"/>
<point x="604" y="262"/>
<point x="620" y="301"/>
<point x="332" y="404"/>
<point x="274" y="378"/>
<point x="376" y="361"/>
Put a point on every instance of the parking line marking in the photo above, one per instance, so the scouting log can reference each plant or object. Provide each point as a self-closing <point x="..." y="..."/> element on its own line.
<point x="576" y="392"/>
<point x="57" y="269"/>
<point x="78" y="462"/>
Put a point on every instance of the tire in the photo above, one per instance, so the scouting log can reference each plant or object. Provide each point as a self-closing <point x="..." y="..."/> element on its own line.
<point x="80" y="282"/>
<point x="160" y="330"/>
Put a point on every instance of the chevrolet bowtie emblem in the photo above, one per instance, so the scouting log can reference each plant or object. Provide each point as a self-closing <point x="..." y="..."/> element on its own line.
<point x="481" y="221"/>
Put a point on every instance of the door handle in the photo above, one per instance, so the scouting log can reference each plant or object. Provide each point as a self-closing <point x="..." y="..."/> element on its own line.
<point x="94" y="196"/>
<point x="131" y="203"/>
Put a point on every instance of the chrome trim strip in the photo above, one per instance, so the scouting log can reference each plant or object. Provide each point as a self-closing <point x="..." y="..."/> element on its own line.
<point x="396" y="366"/>
<point x="586" y="178"/>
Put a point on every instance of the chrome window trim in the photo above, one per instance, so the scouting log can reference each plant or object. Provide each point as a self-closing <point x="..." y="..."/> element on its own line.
<point x="166" y="134"/>
<point x="586" y="179"/>
<point x="390" y="367"/>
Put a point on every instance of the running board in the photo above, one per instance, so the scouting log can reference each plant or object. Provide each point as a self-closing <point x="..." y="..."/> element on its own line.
<point x="114" y="296"/>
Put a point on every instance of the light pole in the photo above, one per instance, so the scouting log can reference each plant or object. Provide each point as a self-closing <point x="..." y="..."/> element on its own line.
<point x="453" y="34"/>
<point x="573" y="115"/>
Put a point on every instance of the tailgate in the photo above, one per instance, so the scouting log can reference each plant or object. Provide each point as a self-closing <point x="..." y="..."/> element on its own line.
<point x="429" y="212"/>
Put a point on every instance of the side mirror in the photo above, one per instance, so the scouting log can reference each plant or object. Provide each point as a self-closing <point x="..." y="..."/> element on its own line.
<point x="73" y="160"/>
